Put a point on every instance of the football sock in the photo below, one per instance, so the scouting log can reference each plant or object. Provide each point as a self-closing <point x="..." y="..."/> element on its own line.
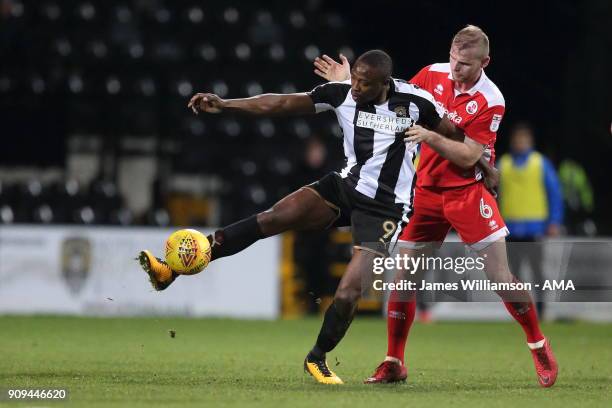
<point x="400" y="315"/>
<point x="336" y="322"/>
<point x="525" y="314"/>
<point x="521" y="307"/>
<point x="235" y="237"/>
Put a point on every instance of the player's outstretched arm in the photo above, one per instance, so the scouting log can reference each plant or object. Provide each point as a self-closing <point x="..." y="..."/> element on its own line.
<point x="463" y="153"/>
<point x="266" y="104"/>
<point x="328" y="69"/>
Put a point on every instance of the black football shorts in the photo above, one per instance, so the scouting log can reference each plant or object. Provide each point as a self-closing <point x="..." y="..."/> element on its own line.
<point x="374" y="224"/>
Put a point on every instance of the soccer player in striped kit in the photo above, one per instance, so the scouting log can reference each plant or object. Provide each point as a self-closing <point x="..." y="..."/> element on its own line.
<point x="447" y="195"/>
<point x="372" y="194"/>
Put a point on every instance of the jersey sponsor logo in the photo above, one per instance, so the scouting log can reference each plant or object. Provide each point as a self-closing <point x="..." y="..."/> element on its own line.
<point x="453" y="116"/>
<point x="495" y="122"/>
<point x="439" y="89"/>
<point x="471" y="107"/>
<point x="485" y="210"/>
<point x="383" y="123"/>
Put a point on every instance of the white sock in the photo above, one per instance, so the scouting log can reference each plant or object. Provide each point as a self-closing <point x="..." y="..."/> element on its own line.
<point x="536" y="345"/>
<point x="394" y="360"/>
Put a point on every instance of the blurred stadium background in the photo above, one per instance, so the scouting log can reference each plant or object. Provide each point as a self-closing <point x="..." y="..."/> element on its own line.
<point x="99" y="147"/>
<point x="101" y="158"/>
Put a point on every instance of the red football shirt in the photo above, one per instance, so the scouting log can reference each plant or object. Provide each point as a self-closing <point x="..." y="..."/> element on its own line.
<point x="478" y="112"/>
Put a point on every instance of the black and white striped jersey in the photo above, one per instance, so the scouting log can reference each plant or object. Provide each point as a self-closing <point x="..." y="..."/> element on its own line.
<point x="378" y="163"/>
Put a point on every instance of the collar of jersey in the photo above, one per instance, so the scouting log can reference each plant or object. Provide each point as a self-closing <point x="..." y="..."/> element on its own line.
<point x="472" y="90"/>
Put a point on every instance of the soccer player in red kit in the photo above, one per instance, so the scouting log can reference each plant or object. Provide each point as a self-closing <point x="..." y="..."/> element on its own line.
<point x="449" y="195"/>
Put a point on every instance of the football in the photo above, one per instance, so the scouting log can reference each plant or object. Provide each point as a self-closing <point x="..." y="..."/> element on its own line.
<point x="187" y="251"/>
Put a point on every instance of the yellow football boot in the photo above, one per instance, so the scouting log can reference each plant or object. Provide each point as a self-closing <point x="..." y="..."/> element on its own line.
<point x="320" y="371"/>
<point x="160" y="274"/>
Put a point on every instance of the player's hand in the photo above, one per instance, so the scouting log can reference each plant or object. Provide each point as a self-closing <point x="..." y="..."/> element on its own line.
<point x="206" y="102"/>
<point x="491" y="180"/>
<point x="418" y="134"/>
<point x="327" y="68"/>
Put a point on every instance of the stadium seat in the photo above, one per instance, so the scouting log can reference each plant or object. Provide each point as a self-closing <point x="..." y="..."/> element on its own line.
<point x="51" y="11"/>
<point x="231" y="16"/>
<point x="87" y="11"/>
<point x="146" y="86"/>
<point x="128" y="68"/>
<point x="194" y="15"/>
<point x="206" y="52"/>
<point x="242" y="52"/>
<point x="43" y="214"/>
<point x="122" y="13"/>
<point x="276" y="52"/>
<point x="266" y="128"/>
<point x="230" y="127"/>
<point x="121" y="216"/>
<point x="220" y="88"/>
<point x="7" y="215"/>
<point x="85" y="215"/>
<point x="158" y="217"/>
<point x="297" y="19"/>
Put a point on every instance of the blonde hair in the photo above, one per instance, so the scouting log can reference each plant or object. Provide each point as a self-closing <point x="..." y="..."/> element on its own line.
<point x="472" y="36"/>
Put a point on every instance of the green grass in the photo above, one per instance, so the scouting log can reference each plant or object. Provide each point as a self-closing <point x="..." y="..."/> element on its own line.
<point x="135" y="363"/>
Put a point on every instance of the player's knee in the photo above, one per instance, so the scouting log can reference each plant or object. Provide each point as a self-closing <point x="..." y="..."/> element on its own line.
<point x="279" y="218"/>
<point x="271" y="222"/>
<point x="348" y="296"/>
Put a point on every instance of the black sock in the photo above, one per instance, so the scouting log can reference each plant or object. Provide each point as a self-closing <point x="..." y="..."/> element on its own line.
<point x="235" y="237"/>
<point x="336" y="322"/>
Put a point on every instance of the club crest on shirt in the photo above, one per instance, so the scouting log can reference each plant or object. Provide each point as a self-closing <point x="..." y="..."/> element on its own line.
<point x="400" y="111"/>
<point x="471" y="107"/>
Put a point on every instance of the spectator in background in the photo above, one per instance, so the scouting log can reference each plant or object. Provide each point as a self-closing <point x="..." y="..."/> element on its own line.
<point x="530" y="201"/>
<point x="578" y="197"/>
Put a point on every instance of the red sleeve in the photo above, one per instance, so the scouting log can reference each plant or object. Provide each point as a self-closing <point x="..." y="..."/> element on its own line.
<point x="420" y="77"/>
<point x="483" y="128"/>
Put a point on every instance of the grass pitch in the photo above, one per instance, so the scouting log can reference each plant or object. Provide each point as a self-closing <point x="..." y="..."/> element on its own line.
<point x="137" y="363"/>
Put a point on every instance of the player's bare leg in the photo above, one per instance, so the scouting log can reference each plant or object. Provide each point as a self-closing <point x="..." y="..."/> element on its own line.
<point x="303" y="209"/>
<point x="401" y="308"/>
<point x="339" y="316"/>
<point x="520" y="305"/>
